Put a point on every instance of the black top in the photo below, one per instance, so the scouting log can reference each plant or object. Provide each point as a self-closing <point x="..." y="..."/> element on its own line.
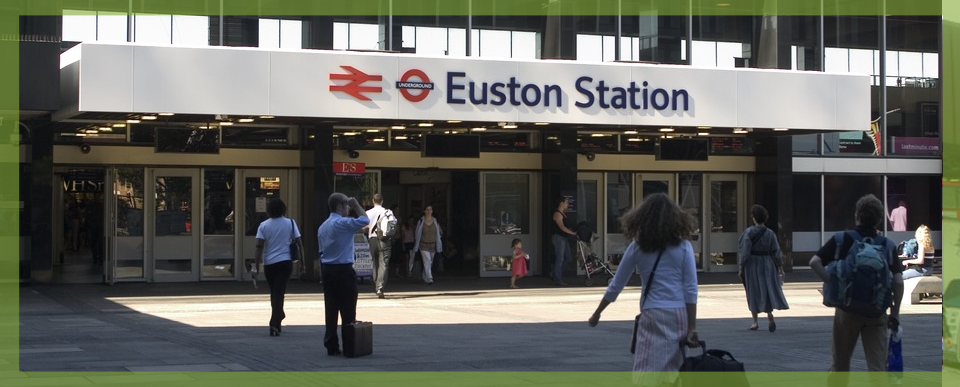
<point x="828" y="251"/>
<point x="556" y="229"/>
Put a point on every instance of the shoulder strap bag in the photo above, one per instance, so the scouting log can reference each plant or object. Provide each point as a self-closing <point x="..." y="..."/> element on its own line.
<point x="646" y="292"/>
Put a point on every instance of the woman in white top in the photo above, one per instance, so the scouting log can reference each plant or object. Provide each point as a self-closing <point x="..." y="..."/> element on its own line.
<point x="658" y="229"/>
<point x="274" y="237"/>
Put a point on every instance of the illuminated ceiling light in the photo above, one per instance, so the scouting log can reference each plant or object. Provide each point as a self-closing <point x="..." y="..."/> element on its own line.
<point x="312" y="136"/>
<point x="105" y="129"/>
<point x="739" y="131"/>
<point x="666" y="129"/>
<point x="226" y="123"/>
<point x="510" y="126"/>
<point x="703" y="133"/>
<point x="446" y="132"/>
<point x="119" y="125"/>
<point x="780" y="129"/>
<point x="630" y="132"/>
<point x="80" y="135"/>
<point x="203" y="127"/>
<point x="598" y="135"/>
<point x="373" y="130"/>
<point x="400" y="137"/>
<point x="148" y="117"/>
<point x="633" y="139"/>
<point x="165" y="114"/>
<point x="133" y="121"/>
<point x="266" y="117"/>
<point x="454" y="121"/>
<point x="425" y="124"/>
<point x="350" y="133"/>
<point x="478" y="129"/>
<point x="398" y="127"/>
<point x="541" y="123"/>
<point x="245" y="120"/>
<point x="378" y="139"/>
<point x="704" y="127"/>
<point x="91" y="131"/>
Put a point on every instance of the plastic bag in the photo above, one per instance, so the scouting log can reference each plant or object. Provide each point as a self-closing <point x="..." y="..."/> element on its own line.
<point x="895" y="351"/>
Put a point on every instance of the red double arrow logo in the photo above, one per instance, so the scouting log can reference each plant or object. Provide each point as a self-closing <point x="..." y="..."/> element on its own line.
<point x="355" y="87"/>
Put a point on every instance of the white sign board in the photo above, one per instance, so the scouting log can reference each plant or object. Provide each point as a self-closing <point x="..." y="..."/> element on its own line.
<point x="362" y="262"/>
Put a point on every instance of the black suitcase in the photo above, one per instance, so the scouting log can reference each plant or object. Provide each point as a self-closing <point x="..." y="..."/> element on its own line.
<point x="358" y="339"/>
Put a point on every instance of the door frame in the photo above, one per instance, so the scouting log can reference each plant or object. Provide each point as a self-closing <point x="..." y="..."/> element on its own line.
<point x="151" y="242"/>
<point x="724" y="242"/>
<point x="497" y="246"/>
<point x="246" y="249"/>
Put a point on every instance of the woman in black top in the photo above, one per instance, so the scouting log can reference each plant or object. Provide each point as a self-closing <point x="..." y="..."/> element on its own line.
<point x="560" y="240"/>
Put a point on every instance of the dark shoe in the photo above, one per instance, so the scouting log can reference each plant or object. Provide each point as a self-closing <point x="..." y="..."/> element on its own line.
<point x="334" y="352"/>
<point x="773" y="326"/>
<point x="380" y="294"/>
<point x="430" y="283"/>
<point x="274" y="331"/>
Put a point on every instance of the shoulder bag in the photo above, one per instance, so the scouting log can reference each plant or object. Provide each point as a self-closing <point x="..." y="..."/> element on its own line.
<point x="646" y="292"/>
<point x="295" y="252"/>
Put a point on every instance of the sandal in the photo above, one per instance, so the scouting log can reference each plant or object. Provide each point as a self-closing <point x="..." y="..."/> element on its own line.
<point x="753" y="327"/>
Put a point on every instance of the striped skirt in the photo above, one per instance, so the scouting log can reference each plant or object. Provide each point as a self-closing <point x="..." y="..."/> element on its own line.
<point x="658" y="357"/>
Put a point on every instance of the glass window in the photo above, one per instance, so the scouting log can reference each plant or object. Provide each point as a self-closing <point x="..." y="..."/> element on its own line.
<point x="495" y="44"/>
<point x="507" y="203"/>
<point x="218" y="222"/>
<point x="841" y="193"/>
<point x="723" y="217"/>
<point x="291" y="34"/>
<point x="111" y="27"/>
<point x="525" y="45"/>
<point x="920" y="195"/>
<point x="806" y="144"/>
<point x="79" y="26"/>
<point x="191" y="30"/>
<point x="269" y="33"/>
<point x="806" y="203"/>
<point x="619" y="199"/>
<point x="589" y="48"/>
<point x="152" y="29"/>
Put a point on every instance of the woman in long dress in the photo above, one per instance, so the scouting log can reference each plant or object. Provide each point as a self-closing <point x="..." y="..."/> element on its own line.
<point x="761" y="269"/>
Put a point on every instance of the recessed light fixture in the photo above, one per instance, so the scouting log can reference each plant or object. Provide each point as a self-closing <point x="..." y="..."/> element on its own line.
<point x="398" y="127"/>
<point x="454" y="121"/>
<point x="780" y="129"/>
<point x="379" y="139"/>
<point x="510" y="126"/>
<point x="541" y="123"/>
<point x="245" y="120"/>
<point x="226" y="123"/>
<point x="633" y="139"/>
<point x="478" y="129"/>
<point x="105" y="129"/>
<point x="373" y="130"/>
<point x="119" y="125"/>
<point x="266" y="117"/>
<point x="703" y="133"/>
<point x="400" y="137"/>
<point x="425" y="124"/>
<point x="203" y="127"/>
<point x="598" y="135"/>
<point x="739" y="131"/>
<point x="666" y="129"/>
<point x="148" y="117"/>
<point x="165" y="114"/>
<point x="704" y="127"/>
<point x="630" y="132"/>
<point x="133" y="121"/>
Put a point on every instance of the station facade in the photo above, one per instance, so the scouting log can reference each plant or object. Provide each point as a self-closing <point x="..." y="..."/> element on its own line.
<point x="155" y="161"/>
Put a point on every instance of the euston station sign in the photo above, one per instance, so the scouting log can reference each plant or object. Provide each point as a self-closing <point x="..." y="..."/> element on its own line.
<point x="344" y="85"/>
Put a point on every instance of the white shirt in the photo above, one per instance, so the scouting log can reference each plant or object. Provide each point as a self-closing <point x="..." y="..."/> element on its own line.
<point x="899" y="218"/>
<point x="277" y="234"/>
<point x="374" y="215"/>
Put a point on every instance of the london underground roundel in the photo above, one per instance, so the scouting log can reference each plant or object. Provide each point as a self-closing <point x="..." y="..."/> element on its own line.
<point x="421" y="86"/>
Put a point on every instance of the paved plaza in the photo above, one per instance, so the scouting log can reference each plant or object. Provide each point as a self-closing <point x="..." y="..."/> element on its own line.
<point x="459" y="324"/>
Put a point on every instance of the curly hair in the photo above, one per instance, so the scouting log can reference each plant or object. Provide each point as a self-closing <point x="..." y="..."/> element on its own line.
<point x="923" y="238"/>
<point x="869" y="211"/>
<point x="657" y="223"/>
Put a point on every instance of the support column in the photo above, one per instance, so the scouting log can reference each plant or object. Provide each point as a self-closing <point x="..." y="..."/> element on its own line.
<point x="41" y="202"/>
<point x="559" y="178"/>
<point x="318" y="32"/>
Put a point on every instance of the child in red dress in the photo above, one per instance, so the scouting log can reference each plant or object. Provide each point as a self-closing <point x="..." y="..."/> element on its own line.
<point x="519" y="263"/>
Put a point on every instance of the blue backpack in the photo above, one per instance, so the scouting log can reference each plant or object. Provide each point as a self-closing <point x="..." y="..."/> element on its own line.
<point x="860" y="283"/>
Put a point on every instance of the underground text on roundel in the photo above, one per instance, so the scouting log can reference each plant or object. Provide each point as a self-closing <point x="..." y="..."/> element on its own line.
<point x="631" y="96"/>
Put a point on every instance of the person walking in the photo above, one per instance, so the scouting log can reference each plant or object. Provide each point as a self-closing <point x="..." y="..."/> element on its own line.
<point x="919" y="260"/>
<point x="335" y="238"/>
<point x="518" y="266"/>
<point x="658" y="231"/>
<point x="761" y="269"/>
<point x="561" y="240"/>
<point x="274" y="237"/>
<point x="428" y="242"/>
<point x="898" y="217"/>
<point x="849" y="327"/>
<point x="380" y="247"/>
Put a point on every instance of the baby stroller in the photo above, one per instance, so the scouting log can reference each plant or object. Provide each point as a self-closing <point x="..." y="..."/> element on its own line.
<point x="591" y="263"/>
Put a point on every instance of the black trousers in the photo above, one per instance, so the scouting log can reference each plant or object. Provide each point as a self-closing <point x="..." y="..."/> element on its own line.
<point x="277" y="274"/>
<point x="380" y="251"/>
<point x="339" y="299"/>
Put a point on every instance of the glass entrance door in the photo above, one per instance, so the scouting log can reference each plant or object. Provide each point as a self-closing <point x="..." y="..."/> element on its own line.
<point x="507" y="211"/>
<point x="174" y="207"/>
<point x="691" y="201"/>
<point x="125" y="204"/>
<point x="727" y="214"/>
<point x="589" y="210"/>
<point x="259" y="186"/>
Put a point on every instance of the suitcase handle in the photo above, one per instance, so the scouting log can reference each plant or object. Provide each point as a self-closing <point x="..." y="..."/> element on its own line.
<point x="720" y="353"/>
<point x="703" y="346"/>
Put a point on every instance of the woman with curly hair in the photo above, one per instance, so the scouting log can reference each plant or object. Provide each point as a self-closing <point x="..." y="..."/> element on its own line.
<point x="659" y="248"/>
<point x="919" y="259"/>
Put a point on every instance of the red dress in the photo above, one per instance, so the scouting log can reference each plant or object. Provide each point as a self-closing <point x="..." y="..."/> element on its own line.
<point x="519" y="263"/>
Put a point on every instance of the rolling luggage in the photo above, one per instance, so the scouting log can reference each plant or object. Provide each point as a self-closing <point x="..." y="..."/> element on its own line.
<point x="358" y="339"/>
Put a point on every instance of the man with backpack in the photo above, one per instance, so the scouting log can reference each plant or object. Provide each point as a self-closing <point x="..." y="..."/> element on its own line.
<point x="862" y="278"/>
<point x="381" y="231"/>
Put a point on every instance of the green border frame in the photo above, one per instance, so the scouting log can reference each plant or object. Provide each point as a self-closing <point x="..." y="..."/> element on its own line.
<point x="10" y="10"/>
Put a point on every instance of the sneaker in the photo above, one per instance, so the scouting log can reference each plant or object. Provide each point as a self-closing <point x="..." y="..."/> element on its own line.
<point x="380" y="294"/>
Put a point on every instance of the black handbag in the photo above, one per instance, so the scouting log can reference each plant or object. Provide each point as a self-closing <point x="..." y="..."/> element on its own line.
<point x="295" y="252"/>
<point x="711" y="360"/>
<point x="646" y="291"/>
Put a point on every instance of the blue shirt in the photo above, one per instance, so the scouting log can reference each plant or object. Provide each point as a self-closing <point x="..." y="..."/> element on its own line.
<point x="335" y="237"/>
<point x="277" y="233"/>
<point x="674" y="283"/>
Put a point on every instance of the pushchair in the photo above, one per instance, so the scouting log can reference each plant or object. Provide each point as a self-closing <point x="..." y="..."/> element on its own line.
<point x="592" y="264"/>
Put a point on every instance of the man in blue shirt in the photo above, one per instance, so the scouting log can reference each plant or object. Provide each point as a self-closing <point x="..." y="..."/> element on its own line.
<point x="335" y="237"/>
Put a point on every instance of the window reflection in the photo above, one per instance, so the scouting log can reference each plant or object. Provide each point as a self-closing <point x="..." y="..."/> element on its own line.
<point x="507" y="203"/>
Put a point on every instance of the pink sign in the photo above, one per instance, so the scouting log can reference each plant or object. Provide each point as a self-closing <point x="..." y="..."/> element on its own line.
<point x="916" y="145"/>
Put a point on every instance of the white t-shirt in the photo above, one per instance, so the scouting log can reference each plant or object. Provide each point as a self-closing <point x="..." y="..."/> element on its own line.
<point x="374" y="215"/>
<point x="277" y="234"/>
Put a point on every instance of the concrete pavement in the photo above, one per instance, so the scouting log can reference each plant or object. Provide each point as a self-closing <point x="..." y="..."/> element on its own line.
<point x="458" y="324"/>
